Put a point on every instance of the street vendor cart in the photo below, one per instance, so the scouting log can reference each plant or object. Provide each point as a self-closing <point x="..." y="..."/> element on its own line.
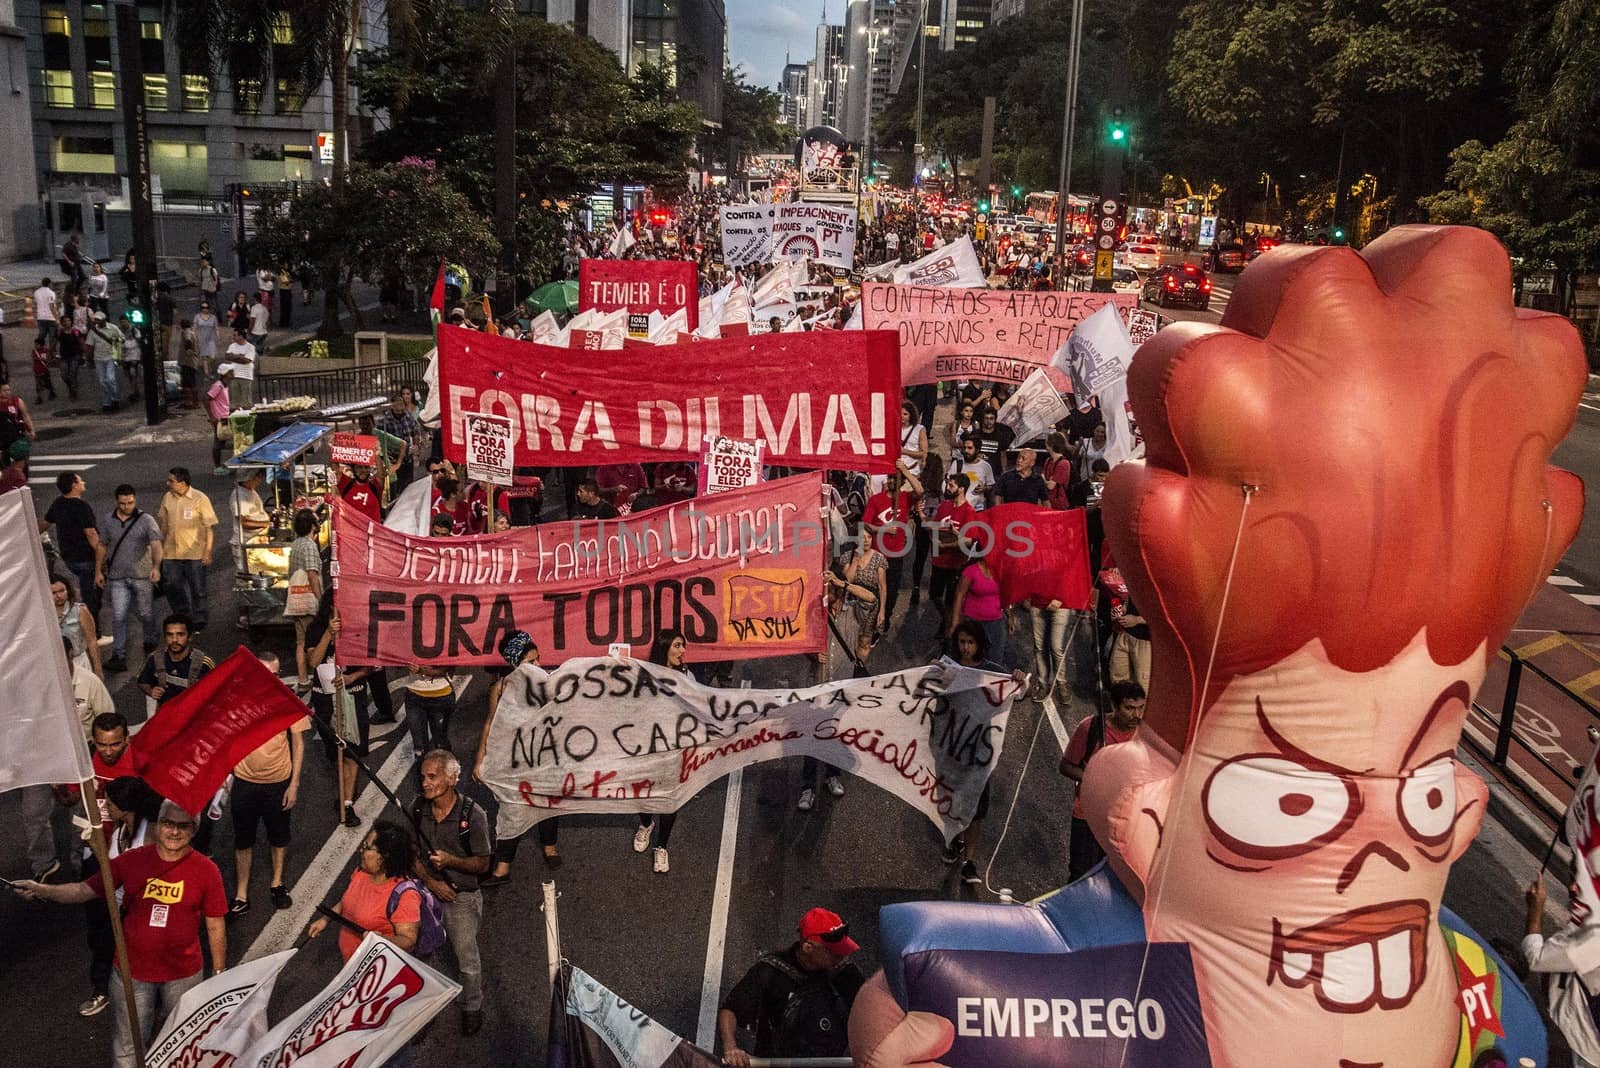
<point x="294" y="482"/>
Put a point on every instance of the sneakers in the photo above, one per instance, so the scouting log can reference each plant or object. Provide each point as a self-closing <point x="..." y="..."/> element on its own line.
<point x="94" y="1006"/>
<point x="952" y="852"/>
<point x="835" y="785"/>
<point x="280" y="897"/>
<point x="808" y="800"/>
<point x="116" y="663"/>
<point x="969" y="873"/>
<point x="660" y="861"/>
<point x="552" y="857"/>
<point x="489" y="882"/>
<point x="641" y="837"/>
<point x="350" y="817"/>
<point x="239" y="907"/>
<point x="44" y="873"/>
<point x="218" y="472"/>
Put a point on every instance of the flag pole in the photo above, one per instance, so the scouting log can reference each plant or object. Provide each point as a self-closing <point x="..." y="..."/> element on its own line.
<point x="108" y="884"/>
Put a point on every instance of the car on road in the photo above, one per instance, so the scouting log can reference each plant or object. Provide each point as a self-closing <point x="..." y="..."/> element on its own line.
<point x="1177" y="284"/>
<point x="1143" y="257"/>
<point x="1125" y="280"/>
<point x="1263" y="244"/>
<point x="1229" y="257"/>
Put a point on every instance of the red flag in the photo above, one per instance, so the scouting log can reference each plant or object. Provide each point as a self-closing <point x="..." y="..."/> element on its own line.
<point x="196" y="738"/>
<point x="436" y="302"/>
<point x="1037" y="552"/>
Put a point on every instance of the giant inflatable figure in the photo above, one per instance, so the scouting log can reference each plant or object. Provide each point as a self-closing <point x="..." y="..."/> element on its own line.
<point x="1346" y="504"/>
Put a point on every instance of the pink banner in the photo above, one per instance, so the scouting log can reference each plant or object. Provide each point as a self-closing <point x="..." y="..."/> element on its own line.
<point x="1001" y="335"/>
<point x="640" y="286"/>
<point x="739" y="574"/>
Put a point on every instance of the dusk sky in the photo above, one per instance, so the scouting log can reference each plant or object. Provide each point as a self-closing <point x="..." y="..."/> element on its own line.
<point x="759" y="31"/>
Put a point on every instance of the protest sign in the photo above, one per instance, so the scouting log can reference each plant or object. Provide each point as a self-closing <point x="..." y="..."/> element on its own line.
<point x="746" y="234"/>
<point x="641" y="287"/>
<point x="825" y="233"/>
<point x="1097" y="356"/>
<point x="1033" y="409"/>
<point x="591" y="1027"/>
<point x="730" y="464"/>
<point x="816" y="401"/>
<point x="956" y="264"/>
<point x="381" y="998"/>
<point x="602" y="735"/>
<point x="489" y="449"/>
<point x="231" y="1003"/>
<point x="1133" y="1005"/>
<point x="356" y="450"/>
<point x="949" y="332"/>
<point x="1142" y="325"/>
<point x="738" y="573"/>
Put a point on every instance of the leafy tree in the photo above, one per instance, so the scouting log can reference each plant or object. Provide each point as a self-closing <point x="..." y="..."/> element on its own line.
<point x="396" y="220"/>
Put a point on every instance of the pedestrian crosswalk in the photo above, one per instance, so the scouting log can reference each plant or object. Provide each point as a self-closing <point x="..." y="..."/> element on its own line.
<point x="1573" y="587"/>
<point x="42" y="470"/>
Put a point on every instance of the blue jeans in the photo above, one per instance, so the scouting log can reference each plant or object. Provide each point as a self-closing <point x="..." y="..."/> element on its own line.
<point x="428" y="721"/>
<point x="147" y="996"/>
<point x="106" y="373"/>
<point x="186" y="588"/>
<point x="141" y="593"/>
<point x="995" y="630"/>
<point x="88" y="592"/>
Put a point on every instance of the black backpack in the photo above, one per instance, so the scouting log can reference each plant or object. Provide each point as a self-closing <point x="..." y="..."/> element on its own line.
<point x="815" y="1017"/>
<point x="464" y="829"/>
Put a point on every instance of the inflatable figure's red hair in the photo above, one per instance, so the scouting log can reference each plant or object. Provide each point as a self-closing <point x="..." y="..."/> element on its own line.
<point x="1398" y="414"/>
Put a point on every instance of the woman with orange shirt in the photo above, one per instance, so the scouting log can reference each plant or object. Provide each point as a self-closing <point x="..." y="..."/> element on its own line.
<point x="385" y="857"/>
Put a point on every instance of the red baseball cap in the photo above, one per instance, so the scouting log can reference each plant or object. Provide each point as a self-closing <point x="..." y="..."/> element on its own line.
<point x="829" y="930"/>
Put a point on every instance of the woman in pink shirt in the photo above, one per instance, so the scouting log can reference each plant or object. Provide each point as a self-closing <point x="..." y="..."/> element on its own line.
<point x="217" y="408"/>
<point x="978" y="599"/>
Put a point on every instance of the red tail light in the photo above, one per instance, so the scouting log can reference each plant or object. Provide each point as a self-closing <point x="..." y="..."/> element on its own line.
<point x="1206" y="285"/>
<point x="1172" y="283"/>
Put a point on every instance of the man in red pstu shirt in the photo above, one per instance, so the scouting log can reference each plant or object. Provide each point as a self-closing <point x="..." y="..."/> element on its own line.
<point x="362" y="492"/>
<point x="168" y="888"/>
<point x="889" y="520"/>
<point x="953" y="513"/>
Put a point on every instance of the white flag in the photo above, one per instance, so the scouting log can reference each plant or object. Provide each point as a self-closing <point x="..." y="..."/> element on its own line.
<point x="41" y="737"/>
<point x="1096" y="356"/>
<point x="855" y="321"/>
<point x="429" y="416"/>
<point x="1034" y="408"/>
<point x="736" y="308"/>
<point x="411" y="512"/>
<point x="777" y="286"/>
<point x="664" y="329"/>
<point x="956" y="264"/>
<point x="796" y="325"/>
<point x="230" y="1006"/>
<point x="381" y="998"/>
<point x="622" y="241"/>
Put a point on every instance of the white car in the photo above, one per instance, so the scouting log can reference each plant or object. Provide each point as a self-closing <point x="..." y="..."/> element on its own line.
<point x="1143" y="257"/>
<point x="1124" y="280"/>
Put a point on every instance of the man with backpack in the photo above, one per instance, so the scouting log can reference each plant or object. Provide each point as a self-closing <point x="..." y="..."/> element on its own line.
<point x="798" y="1000"/>
<point x="456" y="851"/>
<point x="1092" y="734"/>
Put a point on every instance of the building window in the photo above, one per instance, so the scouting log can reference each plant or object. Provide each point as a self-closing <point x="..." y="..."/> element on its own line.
<point x="282" y="30"/>
<point x="152" y="54"/>
<point x="155" y="92"/>
<point x="58" y="89"/>
<point x="96" y="37"/>
<point x="288" y="100"/>
<point x="196" y="92"/>
<point x="181" y="165"/>
<point x="276" y="163"/>
<point x="102" y="90"/>
<point x="247" y="96"/>
<point x="84" y="155"/>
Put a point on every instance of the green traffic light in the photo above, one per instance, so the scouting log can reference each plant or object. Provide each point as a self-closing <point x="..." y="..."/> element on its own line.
<point x="135" y="316"/>
<point x="1119" y="132"/>
<point x="1016" y="190"/>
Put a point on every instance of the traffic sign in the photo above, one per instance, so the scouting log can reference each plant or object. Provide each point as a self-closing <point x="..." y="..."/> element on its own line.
<point x="1104" y="261"/>
<point x="1108" y="224"/>
<point x="1107" y="242"/>
<point x="1108" y="206"/>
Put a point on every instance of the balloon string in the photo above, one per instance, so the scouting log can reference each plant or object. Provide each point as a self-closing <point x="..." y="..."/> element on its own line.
<point x="1160" y="876"/>
<point x="1539" y="571"/>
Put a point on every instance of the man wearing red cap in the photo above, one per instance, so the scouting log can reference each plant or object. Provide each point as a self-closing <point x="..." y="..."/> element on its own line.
<point x="798" y="1000"/>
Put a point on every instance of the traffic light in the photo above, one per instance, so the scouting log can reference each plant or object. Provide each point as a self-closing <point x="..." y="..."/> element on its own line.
<point x="1118" y="131"/>
<point x="983" y="206"/>
<point x="1016" y="191"/>
<point x="135" y="316"/>
<point x="1336" y="235"/>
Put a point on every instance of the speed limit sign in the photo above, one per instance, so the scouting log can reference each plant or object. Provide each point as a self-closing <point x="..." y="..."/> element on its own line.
<point x="1108" y="206"/>
<point x="1107" y="224"/>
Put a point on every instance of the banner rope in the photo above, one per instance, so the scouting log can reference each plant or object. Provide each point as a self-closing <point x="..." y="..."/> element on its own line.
<point x="1160" y="879"/>
<point x="1016" y="795"/>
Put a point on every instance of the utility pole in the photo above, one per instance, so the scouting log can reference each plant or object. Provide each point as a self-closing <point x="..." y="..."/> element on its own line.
<point x="922" y="66"/>
<point x="141" y="209"/>
<point x="1069" y="126"/>
<point x="505" y="171"/>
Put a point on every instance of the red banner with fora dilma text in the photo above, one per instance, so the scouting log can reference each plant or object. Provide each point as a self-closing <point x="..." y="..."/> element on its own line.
<point x="640" y="286"/>
<point x="827" y="400"/>
<point x="740" y="574"/>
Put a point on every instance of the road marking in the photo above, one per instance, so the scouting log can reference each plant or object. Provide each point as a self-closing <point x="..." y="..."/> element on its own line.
<point x="330" y="862"/>
<point x="1562" y="580"/>
<point x="1588" y="598"/>
<point x="717" y="941"/>
<point x="1542" y="646"/>
<point x="81" y="456"/>
<point x="54" y="469"/>
<point x="1584" y="683"/>
<point x="1057" y="728"/>
<point x="1591" y="407"/>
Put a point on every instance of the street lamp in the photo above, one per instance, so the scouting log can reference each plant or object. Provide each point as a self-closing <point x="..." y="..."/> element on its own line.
<point x="922" y="66"/>
<point x="872" y="34"/>
<point x="1068" y="128"/>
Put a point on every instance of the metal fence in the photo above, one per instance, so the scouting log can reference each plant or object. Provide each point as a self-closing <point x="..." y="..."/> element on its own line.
<point x="1506" y="733"/>
<point x="343" y="385"/>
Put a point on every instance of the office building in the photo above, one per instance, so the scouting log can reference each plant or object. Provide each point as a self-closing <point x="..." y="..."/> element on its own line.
<point x="686" y="37"/>
<point x="19" y="189"/>
<point x="1007" y="9"/>
<point x="828" y="78"/>
<point x="792" y="95"/>
<point x="871" y="56"/>
<point x="961" y="21"/>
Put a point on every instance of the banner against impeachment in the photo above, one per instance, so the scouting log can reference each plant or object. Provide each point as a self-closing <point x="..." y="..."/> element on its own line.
<point x="606" y="735"/>
<point x="739" y="573"/>
<point x="948" y="332"/>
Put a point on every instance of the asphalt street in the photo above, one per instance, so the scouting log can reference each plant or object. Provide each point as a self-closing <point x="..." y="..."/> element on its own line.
<point x="745" y="863"/>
